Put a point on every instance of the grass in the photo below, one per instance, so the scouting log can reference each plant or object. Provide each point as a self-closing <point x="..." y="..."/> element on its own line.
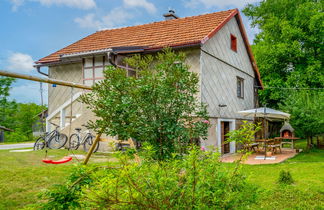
<point x="307" y="192"/>
<point x="24" y="176"/>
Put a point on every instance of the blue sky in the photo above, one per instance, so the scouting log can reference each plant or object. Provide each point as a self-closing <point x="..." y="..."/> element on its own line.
<point x="32" y="29"/>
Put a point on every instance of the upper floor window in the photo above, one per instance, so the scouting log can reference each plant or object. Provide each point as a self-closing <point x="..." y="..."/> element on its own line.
<point x="240" y="87"/>
<point x="233" y="43"/>
<point x="93" y="69"/>
<point x="122" y="64"/>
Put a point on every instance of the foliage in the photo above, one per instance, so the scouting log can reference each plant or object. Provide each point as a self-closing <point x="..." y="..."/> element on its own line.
<point x="244" y="135"/>
<point x="65" y="196"/>
<point x="18" y="117"/>
<point x="289" y="47"/>
<point x="198" y="181"/>
<point x="5" y="104"/>
<point x="26" y="176"/>
<point x="285" y="178"/>
<point x="307" y="110"/>
<point x="158" y="106"/>
<point x="22" y="120"/>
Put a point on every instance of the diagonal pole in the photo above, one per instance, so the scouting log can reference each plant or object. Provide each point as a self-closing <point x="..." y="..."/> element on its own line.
<point x="93" y="146"/>
<point x="45" y="80"/>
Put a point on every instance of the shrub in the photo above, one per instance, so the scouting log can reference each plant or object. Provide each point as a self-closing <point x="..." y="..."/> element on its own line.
<point x="198" y="181"/>
<point x="285" y="178"/>
<point x="66" y="196"/>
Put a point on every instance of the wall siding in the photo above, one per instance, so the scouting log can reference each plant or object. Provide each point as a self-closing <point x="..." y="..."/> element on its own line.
<point x="73" y="72"/>
<point x="60" y="94"/>
<point x="219" y="76"/>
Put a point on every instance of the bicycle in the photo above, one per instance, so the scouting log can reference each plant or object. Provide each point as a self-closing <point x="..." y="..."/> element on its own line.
<point x="76" y="140"/>
<point x="52" y="140"/>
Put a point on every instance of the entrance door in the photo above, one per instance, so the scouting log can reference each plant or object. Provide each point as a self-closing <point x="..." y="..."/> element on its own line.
<point x="225" y="128"/>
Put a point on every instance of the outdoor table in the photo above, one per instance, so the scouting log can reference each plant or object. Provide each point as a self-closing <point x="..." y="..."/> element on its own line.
<point x="266" y="142"/>
<point x="288" y="140"/>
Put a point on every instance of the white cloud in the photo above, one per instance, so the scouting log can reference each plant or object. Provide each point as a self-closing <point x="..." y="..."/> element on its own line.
<point x="20" y="62"/>
<point x="28" y="92"/>
<point x="88" y="21"/>
<point x="218" y="3"/>
<point x="80" y="4"/>
<point x="16" y="4"/>
<point x="115" y="18"/>
<point x="141" y="3"/>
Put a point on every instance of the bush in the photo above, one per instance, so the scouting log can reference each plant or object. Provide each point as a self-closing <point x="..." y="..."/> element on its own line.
<point x="16" y="136"/>
<point x="285" y="178"/>
<point x="66" y="196"/>
<point x="198" y="181"/>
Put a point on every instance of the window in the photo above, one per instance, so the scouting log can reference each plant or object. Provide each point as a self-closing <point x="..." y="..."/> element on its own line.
<point x="93" y="69"/>
<point x="129" y="71"/>
<point x="233" y="43"/>
<point x="240" y="87"/>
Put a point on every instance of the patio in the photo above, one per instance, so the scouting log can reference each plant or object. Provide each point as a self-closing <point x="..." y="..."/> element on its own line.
<point x="258" y="158"/>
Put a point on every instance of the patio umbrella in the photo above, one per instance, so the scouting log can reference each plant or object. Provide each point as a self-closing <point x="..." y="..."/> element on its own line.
<point x="265" y="112"/>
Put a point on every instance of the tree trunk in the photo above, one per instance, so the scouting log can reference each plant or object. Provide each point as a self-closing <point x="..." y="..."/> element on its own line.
<point x="308" y="142"/>
<point x="318" y="143"/>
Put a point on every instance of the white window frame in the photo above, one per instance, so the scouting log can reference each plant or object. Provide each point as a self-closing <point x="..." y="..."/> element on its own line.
<point x="93" y="68"/>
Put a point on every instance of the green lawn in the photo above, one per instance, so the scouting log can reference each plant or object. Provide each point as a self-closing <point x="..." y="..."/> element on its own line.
<point x="307" y="169"/>
<point x="24" y="176"/>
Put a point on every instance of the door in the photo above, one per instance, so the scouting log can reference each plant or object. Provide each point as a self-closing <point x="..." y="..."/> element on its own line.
<point x="225" y="128"/>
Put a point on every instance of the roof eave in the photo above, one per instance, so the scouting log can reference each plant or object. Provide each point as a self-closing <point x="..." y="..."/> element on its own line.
<point x="70" y="58"/>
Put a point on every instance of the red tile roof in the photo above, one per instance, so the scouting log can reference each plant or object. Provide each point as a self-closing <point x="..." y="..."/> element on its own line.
<point x="170" y="33"/>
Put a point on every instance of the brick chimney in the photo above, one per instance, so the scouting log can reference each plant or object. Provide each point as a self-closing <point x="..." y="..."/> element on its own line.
<point x="170" y="15"/>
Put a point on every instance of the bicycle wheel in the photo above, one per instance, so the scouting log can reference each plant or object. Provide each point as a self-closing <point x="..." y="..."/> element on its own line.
<point x="57" y="141"/>
<point x="88" y="143"/>
<point x="74" y="141"/>
<point x="39" y="143"/>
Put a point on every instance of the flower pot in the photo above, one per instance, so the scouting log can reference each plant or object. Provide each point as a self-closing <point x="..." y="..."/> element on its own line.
<point x="269" y="154"/>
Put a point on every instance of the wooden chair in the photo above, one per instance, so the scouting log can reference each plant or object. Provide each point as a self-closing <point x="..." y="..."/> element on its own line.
<point x="274" y="145"/>
<point x="253" y="146"/>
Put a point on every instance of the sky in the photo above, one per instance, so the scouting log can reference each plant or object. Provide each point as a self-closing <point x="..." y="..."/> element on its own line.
<point x="32" y="29"/>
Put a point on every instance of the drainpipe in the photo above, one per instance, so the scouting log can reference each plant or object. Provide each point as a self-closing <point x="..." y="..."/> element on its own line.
<point x="111" y="57"/>
<point x="39" y="71"/>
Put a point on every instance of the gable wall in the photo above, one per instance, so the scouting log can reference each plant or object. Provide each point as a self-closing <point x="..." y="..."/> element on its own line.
<point x="60" y="94"/>
<point x="219" y="76"/>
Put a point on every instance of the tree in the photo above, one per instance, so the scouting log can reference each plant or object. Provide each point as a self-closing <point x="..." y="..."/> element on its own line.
<point x="307" y="110"/>
<point x="5" y="105"/>
<point x="289" y="48"/>
<point x="158" y="106"/>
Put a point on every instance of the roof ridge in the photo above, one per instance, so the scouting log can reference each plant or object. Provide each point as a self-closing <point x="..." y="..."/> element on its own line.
<point x="169" y="21"/>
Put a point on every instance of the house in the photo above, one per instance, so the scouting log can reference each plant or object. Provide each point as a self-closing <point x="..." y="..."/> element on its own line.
<point x="217" y="49"/>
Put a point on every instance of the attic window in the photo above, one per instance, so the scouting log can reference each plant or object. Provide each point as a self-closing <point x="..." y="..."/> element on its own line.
<point x="233" y="43"/>
<point x="240" y="87"/>
<point x="93" y="69"/>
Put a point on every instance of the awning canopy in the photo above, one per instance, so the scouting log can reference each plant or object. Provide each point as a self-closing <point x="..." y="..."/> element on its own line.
<point x="265" y="112"/>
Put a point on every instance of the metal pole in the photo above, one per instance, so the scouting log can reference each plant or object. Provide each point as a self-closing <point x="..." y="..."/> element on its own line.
<point x="46" y="80"/>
